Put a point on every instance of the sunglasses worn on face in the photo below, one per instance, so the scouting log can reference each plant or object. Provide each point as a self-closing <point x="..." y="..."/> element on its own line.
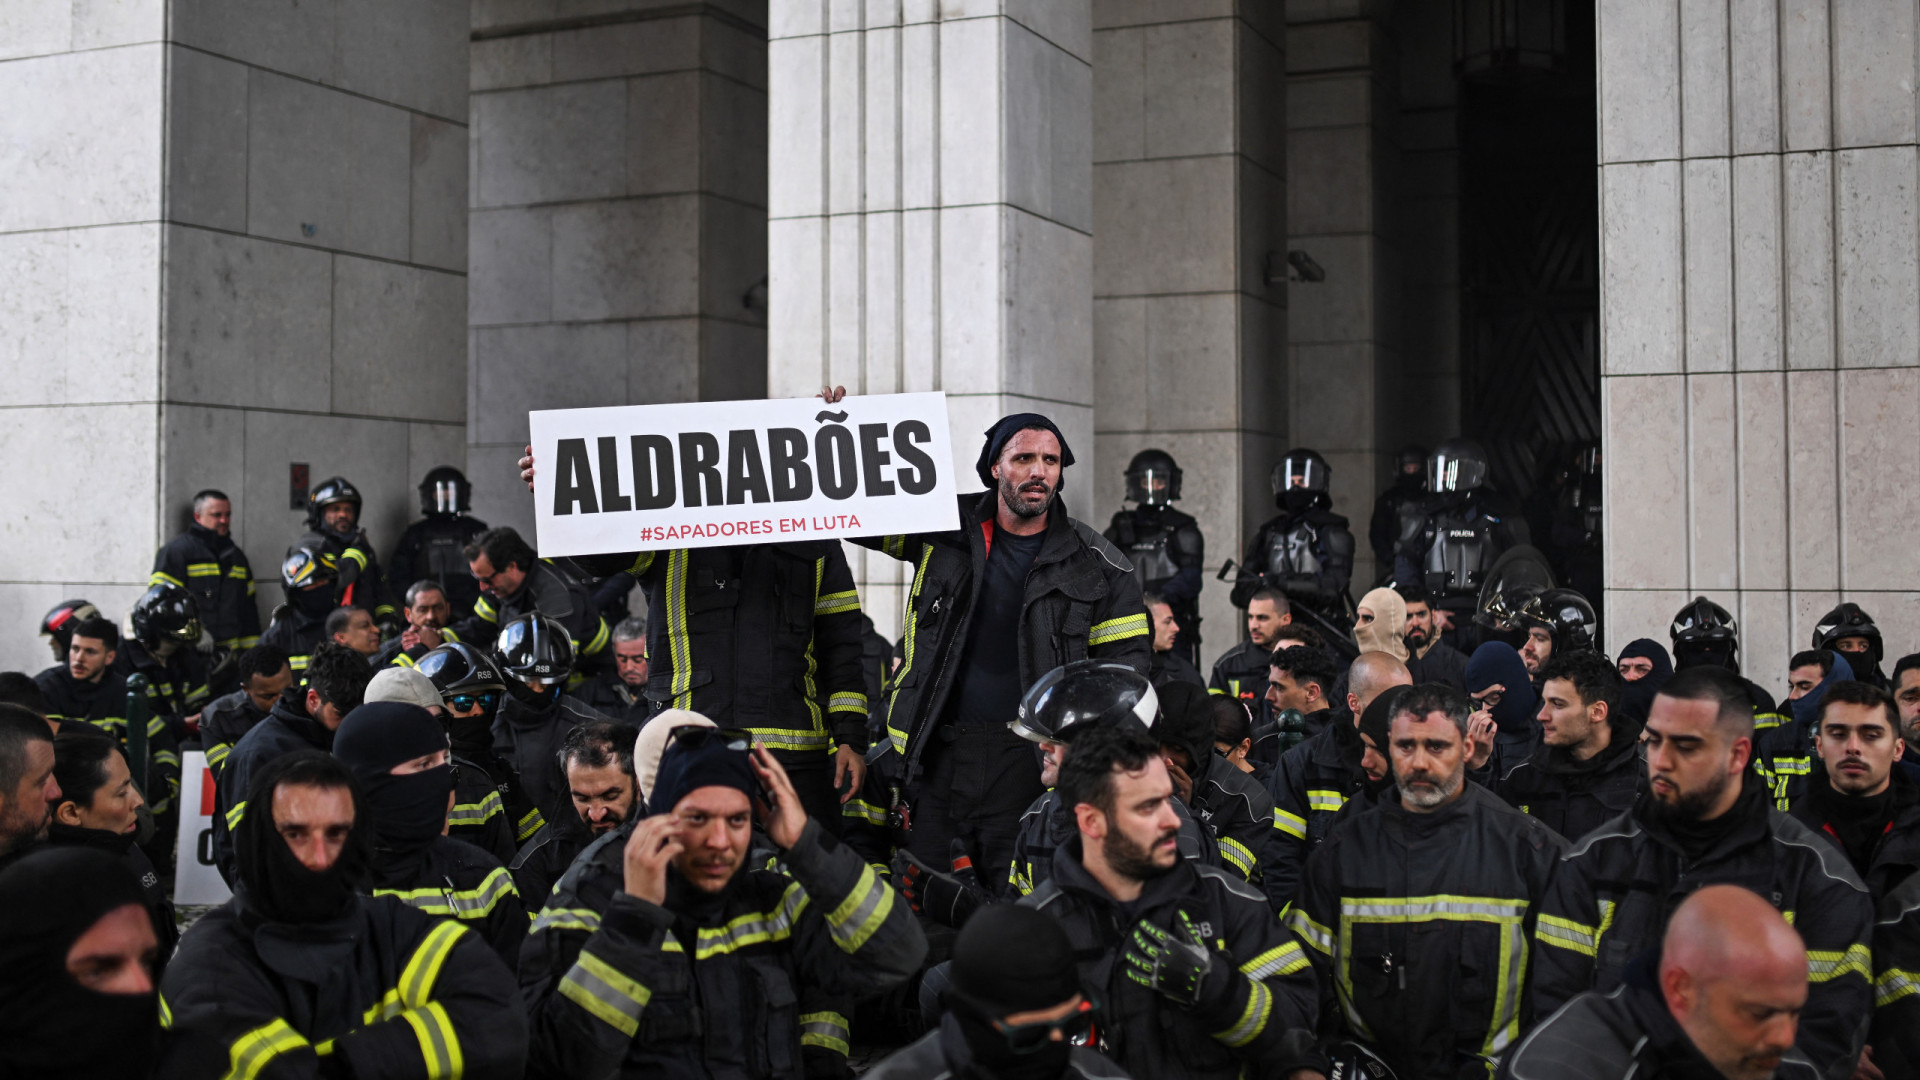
<point x="1031" y="1038"/>
<point x="463" y="702"/>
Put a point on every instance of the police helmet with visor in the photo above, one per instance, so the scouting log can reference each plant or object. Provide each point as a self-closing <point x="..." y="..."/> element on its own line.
<point x="1152" y="478"/>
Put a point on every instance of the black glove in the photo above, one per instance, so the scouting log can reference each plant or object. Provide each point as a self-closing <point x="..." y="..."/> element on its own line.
<point x="948" y="898"/>
<point x="1174" y="965"/>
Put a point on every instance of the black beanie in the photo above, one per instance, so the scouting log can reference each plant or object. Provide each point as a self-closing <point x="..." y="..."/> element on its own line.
<point x="1376" y="721"/>
<point x="409" y="812"/>
<point x="686" y="768"/>
<point x="1001" y="433"/>
<point x="1011" y="958"/>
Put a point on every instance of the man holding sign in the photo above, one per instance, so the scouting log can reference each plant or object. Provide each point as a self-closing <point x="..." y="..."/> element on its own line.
<point x="1017" y="590"/>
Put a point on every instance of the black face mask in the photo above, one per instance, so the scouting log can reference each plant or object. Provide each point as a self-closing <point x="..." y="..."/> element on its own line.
<point x="1298" y="500"/>
<point x="527" y="695"/>
<point x="471" y="731"/>
<point x="993" y="1057"/>
<point x="313" y="603"/>
<point x="409" y="811"/>
<point x="277" y="887"/>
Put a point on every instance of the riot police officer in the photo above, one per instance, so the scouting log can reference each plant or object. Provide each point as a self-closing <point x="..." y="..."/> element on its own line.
<point x="1307" y="550"/>
<point x="434" y="547"/>
<point x="1165" y="545"/>
<point x="333" y="528"/>
<point x="1397" y="504"/>
<point x="1465" y="527"/>
<point x="1847" y="629"/>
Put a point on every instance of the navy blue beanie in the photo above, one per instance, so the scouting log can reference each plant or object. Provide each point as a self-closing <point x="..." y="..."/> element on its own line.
<point x="687" y="768"/>
<point x="1003" y="432"/>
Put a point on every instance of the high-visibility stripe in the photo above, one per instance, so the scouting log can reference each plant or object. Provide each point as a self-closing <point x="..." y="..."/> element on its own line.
<point x="1826" y="966"/>
<point x="1579" y="937"/>
<point x="789" y="739"/>
<point x="469" y="904"/>
<point x="203" y="569"/>
<point x="754" y="928"/>
<point x="423" y="970"/>
<point x="1507" y="914"/>
<point x="835" y="603"/>
<point x="1292" y="824"/>
<point x="1326" y="802"/>
<point x="679" y="647"/>
<point x="1253" y="1020"/>
<point x="255" y="1050"/>
<point x="605" y="992"/>
<point x="236" y="815"/>
<point x="908" y="648"/>
<point x="641" y="563"/>
<point x="1279" y="960"/>
<point x="484" y="608"/>
<point x="439" y="1045"/>
<point x="552" y="918"/>
<point x="1236" y="853"/>
<point x="240" y="573"/>
<point x="166" y="1013"/>
<point x="809" y="682"/>
<point x="861" y="913"/>
<point x="1892" y="985"/>
<point x="1119" y="629"/>
<point x="848" y="701"/>
<point x="827" y="1030"/>
<point x="1311" y="932"/>
<point x="299" y="662"/>
<point x="864" y="811"/>
<point x="598" y="641"/>
<point x="531" y="822"/>
<point x="160" y="578"/>
<point x="358" y="557"/>
<point x="476" y="814"/>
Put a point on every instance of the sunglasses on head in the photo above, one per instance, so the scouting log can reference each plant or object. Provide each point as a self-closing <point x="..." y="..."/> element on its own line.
<point x="693" y="736"/>
<point x="1032" y="1038"/>
<point x="463" y="702"/>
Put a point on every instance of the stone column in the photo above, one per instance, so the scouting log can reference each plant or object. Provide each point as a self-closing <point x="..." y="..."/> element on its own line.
<point x="619" y="216"/>
<point x="1190" y="237"/>
<point x="930" y="216"/>
<point x="232" y="238"/>
<point x="1760" y="314"/>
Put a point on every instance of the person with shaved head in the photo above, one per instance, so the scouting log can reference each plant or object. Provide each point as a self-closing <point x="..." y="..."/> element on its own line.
<point x="1314" y="779"/>
<point x="1706" y="819"/>
<point x="1724" y="999"/>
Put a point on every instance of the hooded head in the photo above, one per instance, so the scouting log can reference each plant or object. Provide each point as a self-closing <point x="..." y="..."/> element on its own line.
<point x="76" y="981"/>
<point x="1498" y="664"/>
<point x="1011" y="960"/>
<point x="398" y="753"/>
<point x="1806" y="707"/>
<point x="1186" y="723"/>
<point x="1650" y="657"/>
<point x="317" y="795"/>
<point x="1386" y="631"/>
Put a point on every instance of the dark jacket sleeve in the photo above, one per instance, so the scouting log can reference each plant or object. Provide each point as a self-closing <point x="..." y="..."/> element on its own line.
<point x="1314" y="918"/>
<point x="1835" y="919"/>
<point x="170" y="563"/>
<point x="586" y="977"/>
<point x="1896" y="984"/>
<point x="1566" y="925"/>
<point x="1288" y="852"/>
<point x="838" y="633"/>
<point x="1265" y="988"/>
<point x="1121" y="630"/>
<point x="469" y="1024"/>
<point x="857" y="936"/>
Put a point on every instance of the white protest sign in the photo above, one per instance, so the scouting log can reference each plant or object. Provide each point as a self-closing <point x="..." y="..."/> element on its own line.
<point x="196" y="883"/>
<point x="648" y="477"/>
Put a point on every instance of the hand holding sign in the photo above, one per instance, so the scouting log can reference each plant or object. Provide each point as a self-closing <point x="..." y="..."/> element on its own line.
<point x="650" y="477"/>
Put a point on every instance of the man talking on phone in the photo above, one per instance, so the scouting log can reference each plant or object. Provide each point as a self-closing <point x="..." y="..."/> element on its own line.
<point x="661" y="953"/>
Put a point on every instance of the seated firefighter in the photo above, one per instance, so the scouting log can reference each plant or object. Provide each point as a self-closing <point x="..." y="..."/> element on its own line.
<point x="661" y="953"/>
<point x="302" y="975"/>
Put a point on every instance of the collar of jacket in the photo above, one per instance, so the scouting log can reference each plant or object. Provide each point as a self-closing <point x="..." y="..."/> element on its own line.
<point x="1667" y="1049"/>
<point x="113" y="843"/>
<point x="215" y="542"/>
<point x="520" y="715"/>
<point x="311" y="953"/>
<point x="1155" y="892"/>
<point x="1468" y="803"/>
<point x="1622" y="748"/>
<point x="1748" y="823"/>
<point x="1060" y="543"/>
<point x="295" y="717"/>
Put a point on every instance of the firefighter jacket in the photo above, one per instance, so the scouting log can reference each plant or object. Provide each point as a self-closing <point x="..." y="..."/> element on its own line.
<point x="763" y="637"/>
<point x="395" y="653"/>
<point x="454" y="880"/>
<point x="1576" y="797"/>
<point x="609" y="695"/>
<point x="1047" y="824"/>
<point x="383" y="993"/>
<point x="1783" y="733"/>
<point x="1241" y="672"/>
<point x="214" y="570"/>
<point x="176" y="686"/>
<point x="553" y="594"/>
<point x="527" y="738"/>
<point x="1420" y="926"/>
<point x="1891" y="870"/>
<point x="1624" y="1034"/>
<point x="1082" y="601"/>
<point x="286" y="729"/>
<point x="435" y="548"/>
<point x="224" y="721"/>
<point x="1615" y="889"/>
<point x="297" y="634"/>
<point x="943" y="1052"/>
<point x="121" y="846"/>
<point x="1234" y="809"/>
<point x="711" y="986"/>
<point x="1255" y="1006"/>
<point x="480" y="813"/>
<point x="103" y="704"/>
<point x="1310" y="785"/>
<point x="361" y="585"/>
<point x="546" y="858"/>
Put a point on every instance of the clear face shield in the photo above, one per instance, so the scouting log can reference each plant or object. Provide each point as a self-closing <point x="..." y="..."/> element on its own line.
<point x="1302" y="473"/>
<point x="446" y="497"/>
<point x="1150" y="486"/>
<point x="1448" y="472"/>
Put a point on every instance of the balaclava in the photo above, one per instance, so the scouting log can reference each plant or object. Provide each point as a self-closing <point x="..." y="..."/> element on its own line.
<point x="275" y="887"/>
<point x="408" y="811"/>
<point x="1498" y="662"/>
<point x="1636" y="700"/>
<point x="51" y="1025"/>
<point x="1387" y="632"/>
<point x="1010" y="959"/>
